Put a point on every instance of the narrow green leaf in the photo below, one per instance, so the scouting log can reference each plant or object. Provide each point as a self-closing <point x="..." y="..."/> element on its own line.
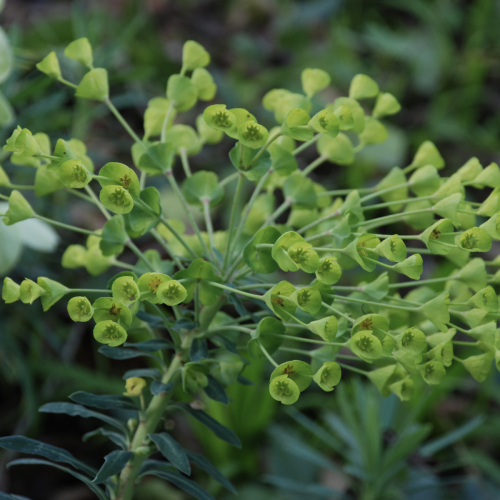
<point x="172" y="451"/>
<point x="113" y="464"/>
<point x="215" y="391"/>
<point x="210" y="469"/>
<point x="103" y="402"/>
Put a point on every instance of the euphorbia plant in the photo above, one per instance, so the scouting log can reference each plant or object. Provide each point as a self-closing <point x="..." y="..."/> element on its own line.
<point x="394" y="339"/>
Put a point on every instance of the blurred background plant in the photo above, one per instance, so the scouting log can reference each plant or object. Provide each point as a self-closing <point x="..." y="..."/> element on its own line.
<point x="440" y="58"/>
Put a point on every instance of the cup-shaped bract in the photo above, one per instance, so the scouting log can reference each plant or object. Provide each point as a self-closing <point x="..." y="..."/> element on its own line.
<point x="385" y="105"/>
<point x="280" y="250"/>
<point x="29" y="291"/>
<point x="19" y="209"/>
<point x="474" y="240"/>
<point x="337" y="149"/>
<point x="393" y="249"/>
<point x="106" y="308"/>
<point x="485" y="299"/>
<point x="74" y="175"/>
<point x="314" y="80"/>
<point x="470" y="170"/>
<point x="304" y="257"/>
<point x="433" y="372"/>
<point x="94" y="85"/>
<point x="50" y="66"/>
<point x="171" y="293"/>
<point x="10" y="291"/>
<point x="439" y="238"/>
<point x="298" y="371"/>
<point x="284" y="389"/>
<point x="428" y="154"/>
<point x="425" y="181"/>
<point x="378" y="288"/>
<point x="363" y="87"/>
<point x="207" y="134"/>
<point x="436" y="310"/>
<point x="376" y="323"/>
<point x="155" y="115"/>
<point x="182" y="92"/>
<point x="252" y="135"/>
<point x="80" y="309"/>
<point x="308" y="299"/>
<point x="442" y="352"/>
<point x="325" y="122"/>
<point x="54" y="291"/>
<point x="260" y="259"/>
<point x="479" y="366"/>
<point x="277" y="300"/>
<point x="117" y="199"/>
<point x="110" y="333"/>
<point x="412" y="341"/>
<point x="365" y="345"/>
<point x="492" y="226"/>
<point x="203" y="187"/>
<point x="329" y="271"/>
<point x="489" y="177"/>
<point x="326" y="328"/>
<point x="118" y="174"/>
<point x="184" y="139"/>
<point x="328" y="376"/>
<point x="411" y="267"/>
<point x="125" y="290"/>
<point x="134" y="386"/>
<point x="266" y="334"/>
<point x="448" y="207"/>
<point x="296" y="125"/>
<point x="80" y="50"/>
<point x="194" y="55"/>
<point x="394" y="187"/>
<point x="4" y="178"/>
<point x="204" y="82"/>
<point x="344" y="117"/>
<point x="361" y="250"/>
<point x="374" y="132"/>
<point x="148" y="286"/>
<point x="403" y="389"/>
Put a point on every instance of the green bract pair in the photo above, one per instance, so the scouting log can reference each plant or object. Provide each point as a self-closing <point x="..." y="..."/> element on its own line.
<point x="327" y="281"/>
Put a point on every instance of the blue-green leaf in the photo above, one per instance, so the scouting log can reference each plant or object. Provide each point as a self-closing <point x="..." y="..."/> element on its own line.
<point x="35" y="461"/>
<point x="143" y="372"/>
<point x="5" y="496"/>
<point x="157" y="387"/>
<point x="215" y="391"/>
<point x="121" y="353"/>
<point x="118" y="439"/>
<point x="210" y="469"/>
<point x="103" y="402"/>
<point x="172" y="451"/>
<point x="80" y="411"/>
<point x="218" y="429"/>
<point x="23" y="444"/>
<point x="198" y="350"/>
<point x="113" y="464"/>
<point x="151" y="345"/>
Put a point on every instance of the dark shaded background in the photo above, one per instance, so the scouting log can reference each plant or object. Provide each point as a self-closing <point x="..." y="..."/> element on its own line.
<point x="439" y="58"/>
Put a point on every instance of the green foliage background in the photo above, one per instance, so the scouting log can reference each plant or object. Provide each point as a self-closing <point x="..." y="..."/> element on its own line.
<point x="441" y="59"/>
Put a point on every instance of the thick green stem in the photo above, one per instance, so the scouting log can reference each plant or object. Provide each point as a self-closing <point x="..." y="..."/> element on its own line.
<point x="232" y="221"/>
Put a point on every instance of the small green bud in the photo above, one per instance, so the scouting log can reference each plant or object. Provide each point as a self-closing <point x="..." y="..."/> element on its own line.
<point x="433" y="372"/>
<point x="365" y="345"/>
<point x="110" y="333"/>
<point x="94" y="85"/>
<point x="125" y="290"/>
<point x="182" y="92"/>
<point x="252" y="135"/>
<point x="171" y="293"/>
<point x="436" y="310"/>
<point x="19" y="209"/>
<point x="10" y="291"/>
<point x="54" y="292"/>
<point x="204" y="82"/>
<point x="116" y="199"/>
<point x="29" y="291"/>
<point x="74" y="257"/>
<point x="338" y="150"/>
<point x="73" y="174"/>
<point x="298" y="371"/>
<point x="325" y="122"/>
<point x="134" y="386"/>
<point x="106" y="308"/>
<point x="50" y="66"/>
<point x="412" y="341"/>
<point x="475" y="240"/>
<point x="363" y="87"/>
<point x="80" y="50"/>
<point x="412" y="266"/>
<point x="326" y="328"/>
<point x="194" y="56"/>
<point x="385" y="105"/>
<point x="132" y="424"/>
<point x="219" y="118"/>
<point x="284" y="389"/>
<point x="314" y="81"/>
<point x="328" y="376"/>
<point x="80" y="309"/>
<point x="329" y="271"/>
<point x="427" y="154"/>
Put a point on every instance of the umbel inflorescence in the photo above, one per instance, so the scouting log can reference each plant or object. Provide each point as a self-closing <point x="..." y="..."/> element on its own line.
<point x="396" y="339"/>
